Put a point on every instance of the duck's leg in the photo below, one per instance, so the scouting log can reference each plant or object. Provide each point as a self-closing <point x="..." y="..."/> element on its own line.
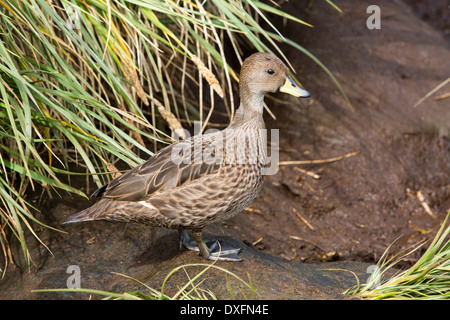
<point x="185" y="241"/>
<point x="215" y="252"/>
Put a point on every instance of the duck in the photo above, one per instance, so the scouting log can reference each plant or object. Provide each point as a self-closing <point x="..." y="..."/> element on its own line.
<point x="206" y="178"/>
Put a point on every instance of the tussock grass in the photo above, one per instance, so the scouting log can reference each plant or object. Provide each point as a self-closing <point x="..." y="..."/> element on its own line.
<point x="427" y="279"/>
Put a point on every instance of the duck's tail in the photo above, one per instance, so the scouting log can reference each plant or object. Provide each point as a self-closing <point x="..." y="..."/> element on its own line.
<point x="80" y="216"/>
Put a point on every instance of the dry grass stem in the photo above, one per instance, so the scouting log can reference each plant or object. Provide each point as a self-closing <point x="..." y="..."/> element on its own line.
<point x="296" y="162"/>
<point x="442" y="96"/>
<point x="254" y="243"/>
<point x="303" y="219"/>
<point x="424" y="204"/>
<point x="309" y="173"/>
<point x="307" y="241"/>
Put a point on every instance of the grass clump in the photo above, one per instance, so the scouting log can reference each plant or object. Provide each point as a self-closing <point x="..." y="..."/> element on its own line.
<point x="427" y="279"/>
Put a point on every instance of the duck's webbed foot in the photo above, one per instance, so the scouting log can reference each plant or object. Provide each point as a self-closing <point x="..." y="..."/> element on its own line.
<point x="215" y="251"/>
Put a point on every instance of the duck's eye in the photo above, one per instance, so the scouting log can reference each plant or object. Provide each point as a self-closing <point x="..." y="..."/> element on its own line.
<point x="270" y="71"/>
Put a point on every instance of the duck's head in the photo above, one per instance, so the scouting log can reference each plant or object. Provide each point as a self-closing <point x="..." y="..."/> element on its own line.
<point x="263" y="72"/>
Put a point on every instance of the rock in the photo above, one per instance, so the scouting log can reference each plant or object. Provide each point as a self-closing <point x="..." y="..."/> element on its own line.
<point x="100" y="250"/>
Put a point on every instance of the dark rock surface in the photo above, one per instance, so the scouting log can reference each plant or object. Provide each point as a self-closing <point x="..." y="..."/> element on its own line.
<point x="102" y="249"/>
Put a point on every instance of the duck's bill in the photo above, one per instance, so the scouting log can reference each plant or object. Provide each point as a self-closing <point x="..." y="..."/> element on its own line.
<point x="292" y="87"/>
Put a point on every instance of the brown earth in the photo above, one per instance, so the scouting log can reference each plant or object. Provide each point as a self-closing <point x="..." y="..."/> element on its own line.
<point x="354" y="207"/>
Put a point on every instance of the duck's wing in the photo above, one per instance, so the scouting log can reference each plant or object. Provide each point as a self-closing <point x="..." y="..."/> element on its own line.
<point x="161" y="172"/>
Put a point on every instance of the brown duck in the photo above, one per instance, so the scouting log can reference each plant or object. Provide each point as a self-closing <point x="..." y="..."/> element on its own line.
<point x="205" y="178"/>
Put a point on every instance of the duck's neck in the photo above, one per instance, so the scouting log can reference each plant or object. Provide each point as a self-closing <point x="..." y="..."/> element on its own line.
<point x="250" y="111"/>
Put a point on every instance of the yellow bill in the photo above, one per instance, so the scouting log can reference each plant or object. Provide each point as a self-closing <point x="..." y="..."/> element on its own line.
<point x="292" y="87"/>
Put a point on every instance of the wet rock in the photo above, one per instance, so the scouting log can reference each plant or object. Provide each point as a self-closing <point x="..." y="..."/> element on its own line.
<point x="103" y="250"/>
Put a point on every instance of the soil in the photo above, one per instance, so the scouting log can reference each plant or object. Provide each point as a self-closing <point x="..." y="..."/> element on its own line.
<point x="393" y="185"/>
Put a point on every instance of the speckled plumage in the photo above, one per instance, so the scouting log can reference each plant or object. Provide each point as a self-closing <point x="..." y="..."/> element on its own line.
<point x="165" y="194"/>
<point x="192" y="192"/>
